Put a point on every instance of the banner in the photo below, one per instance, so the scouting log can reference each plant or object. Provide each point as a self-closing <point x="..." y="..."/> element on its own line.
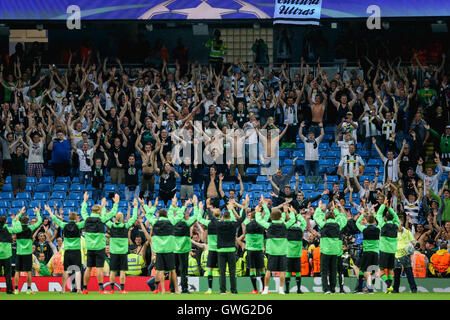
<point x="297" y="12"/>
<point x="54" y="284"/>
<point x="212" y="9"/>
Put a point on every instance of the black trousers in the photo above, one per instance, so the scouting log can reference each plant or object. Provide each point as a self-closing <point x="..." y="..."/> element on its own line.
<point x="340" y="270"/>
<point x="409" y="276"/>
<point x="5" y="264"/>
<point x="181" y="265"/>
<point x="223" y="259"/>
<point x="328" y="270"/>
<point x="61" y="169"/>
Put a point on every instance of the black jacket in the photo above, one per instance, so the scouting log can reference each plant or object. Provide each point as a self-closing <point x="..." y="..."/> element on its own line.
<point x="226" y="231"/>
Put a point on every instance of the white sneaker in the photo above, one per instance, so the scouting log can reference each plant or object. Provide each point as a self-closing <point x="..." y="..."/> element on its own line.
<point x="265" y="291"/>
<point x="281" y="291"/>
<point x="328" y="292"/>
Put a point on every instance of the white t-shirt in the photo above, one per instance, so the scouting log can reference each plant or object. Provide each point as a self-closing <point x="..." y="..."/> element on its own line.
<point x="290" y="114"/>
<point x="36" y="152"/>
<point x="312" y="150"/>
<point x="77" y="137"/>
<point x="253" y="138"/>
<point x="58" y="96"/>
<point x="84" y="159"/>
<point x="345" y="145"/>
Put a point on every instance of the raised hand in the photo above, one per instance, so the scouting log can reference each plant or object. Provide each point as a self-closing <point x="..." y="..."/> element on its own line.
<point x="116" y="198"/>
<point x="86" y="196"/>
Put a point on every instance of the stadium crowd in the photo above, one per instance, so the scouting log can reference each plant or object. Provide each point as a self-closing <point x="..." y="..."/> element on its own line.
<point x="231" y="137"/>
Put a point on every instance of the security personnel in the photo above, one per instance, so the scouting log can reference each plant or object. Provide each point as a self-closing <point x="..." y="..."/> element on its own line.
<point x="304" y="263"/>
<point x="135" y="264"/>
<point x="193" y="269"/>
<point x="316" y="261"/>
<point x="5" y="248"/>
<point x="217" y="50"/>
<point x="118" y="246"/>
<point x="419" y="263"/>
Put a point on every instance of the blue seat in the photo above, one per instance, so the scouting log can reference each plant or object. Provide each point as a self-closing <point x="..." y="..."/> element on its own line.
<point x="62" y="180"/>
<point x="332" y="178"/>
<point x="4" y="204"/>
<point x="122" y="186"/>
<point x="110" y="188"/>
<point x="228" y="186"/>
<point x="286" y="170"/>
<point x="18" y="203"/>
<point x="257" y="187"/>
<point x="332" y="154"/>
<point x="36" y="203"/>
<point x="23" y="196"/>
<point x="43" y="188"/>
<point x="90" y="203"/>
<point x="288" y="162"/>
<point x="75" y="180"/>
<point x="6" y="196"/>
<point x="60" y="188"/>
<point x="67" y="210"/>
<point x="46" y="180"/>
<point x="307" y="187"/>
<point x="58" y="196"/>
<point x="324" y="146"/>
<point x="284" y="154"/>
<point x="374" y="162"/>
<point x="7" y="188"/>
<point x="124" y="203"/>
<point x="30" y="213"/>
<point x="8" y="179"/>
<point x="251" y="171"/>
<point x="70" y="203"/>
<point x="31" y="180"/>
<point x="299" y="154"/>
<point x="76" y="187"/>
<point x="41" y="196"/>
<point x="262" y="179"/>
<point x="29" y="188"/>
<point x="320" y="187"/>
<point x="51" y="203"/>
<point x="75" y="196"/>
<point x="369" y="170"/>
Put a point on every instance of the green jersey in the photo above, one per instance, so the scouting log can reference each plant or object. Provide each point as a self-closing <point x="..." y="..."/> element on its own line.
<point x="71" y="232"/>
<point x="330" y="243"/>
<point x="6" y="239"/>
<point x="212" y="232"/>
<point x="389" y="230"/>
<point x="162" y="237"/>
<point x="181" y="231"/>
<point x="95" y="227"/>
<point x="25" y="237"/>
<point x="371" y="236"/>
<point x="295" y="238"/>
<point x="276" y="244"/>
<point x="118" y="241"/>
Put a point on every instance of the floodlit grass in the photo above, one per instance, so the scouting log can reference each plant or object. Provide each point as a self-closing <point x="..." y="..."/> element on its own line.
<point x="225" y="297"/>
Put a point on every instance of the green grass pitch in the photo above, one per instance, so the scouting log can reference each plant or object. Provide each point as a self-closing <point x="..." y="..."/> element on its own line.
<point x="226" y="297"/>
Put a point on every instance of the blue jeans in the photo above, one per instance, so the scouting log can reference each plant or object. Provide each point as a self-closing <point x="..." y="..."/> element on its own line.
<point x="311" y="168"/>
<point x="85" y="177"/>
<point x="130" y="195"/>
<point x="97" y="194"/>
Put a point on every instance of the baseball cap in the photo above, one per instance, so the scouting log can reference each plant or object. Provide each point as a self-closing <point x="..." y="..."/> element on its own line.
<point x="288" y="186"/>
<point x="349" y="113"/>
<point x="447" y="127"/>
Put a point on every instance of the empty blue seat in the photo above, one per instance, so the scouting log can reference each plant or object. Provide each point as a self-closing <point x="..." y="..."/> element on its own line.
<point x="76" y="187"/>
<point x="4" y="204"/>
<point x="299" y="154"/>
<point x="8" y="179"/>
<point x="374" y="162"/>
<point x="257" y="187"/>
<point x="369" y="170"/>
<point x="307" y="187"/>
<point x="40" y="196"/>
<point x="36" y="203"/>
<point x="7" y="188"/>
<point x="44" y="188"/>
<point x="288" y="162"/>
<point x="51" y="203"/>
<point x="67" y="210"/>
<point x="62" y="180"/>
<point x="110" y="188"/>
<point x="29" y="188"/>
<point x="31" y="180"/>
<point x="284" y="154"/>
<point x="23" y="196"/>
<point x="122" y="186"/>
<point x="75" y="180"/>
<point x="262" y="179"/>
<point x="251" y="171"/>
<point x="60" y="188"/>
<point x="46" y="180"/>
<point x="30" y="213"/>
<point x="58" y="196"/>
<point x="75" y="196"/>
<point x="6" y="196"/>
<point x="332" y="178"/>
<point x="18" y="203"/>
<point x="70" y="203"/>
